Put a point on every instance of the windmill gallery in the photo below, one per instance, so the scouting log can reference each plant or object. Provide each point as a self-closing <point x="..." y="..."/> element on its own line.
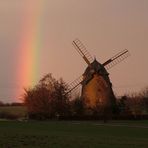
<point x="96" y="85"/>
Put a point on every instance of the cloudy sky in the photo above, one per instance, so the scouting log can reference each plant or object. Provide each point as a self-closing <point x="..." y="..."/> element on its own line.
<point x="36" y="37"/>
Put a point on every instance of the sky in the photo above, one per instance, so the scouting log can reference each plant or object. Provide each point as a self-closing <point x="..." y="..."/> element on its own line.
<point x="36" y="38"/>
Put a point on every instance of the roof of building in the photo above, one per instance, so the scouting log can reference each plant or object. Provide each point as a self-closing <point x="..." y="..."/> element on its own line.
<point x="96" y="67"/>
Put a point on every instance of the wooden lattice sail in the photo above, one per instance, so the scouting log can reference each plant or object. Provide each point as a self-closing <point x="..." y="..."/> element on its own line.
<point x="96" y="85"/>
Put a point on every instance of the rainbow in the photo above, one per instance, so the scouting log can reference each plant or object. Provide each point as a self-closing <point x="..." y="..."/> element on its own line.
<point x="30" y="45"/>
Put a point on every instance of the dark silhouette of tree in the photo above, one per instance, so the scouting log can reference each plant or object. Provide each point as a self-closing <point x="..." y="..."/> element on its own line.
<point x="135" y="104"/>
<point x="77" y="106"/>
<point x="131" y="105"/>
<point x="122" y="105"/>
<point x="144" y="95"/>
<point x="1" y="103"/>
<point x="48" y="99"/>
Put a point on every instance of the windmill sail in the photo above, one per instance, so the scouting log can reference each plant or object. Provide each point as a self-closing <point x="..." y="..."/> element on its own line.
<point x="116" y="59"/>
<point x="74" y="84"/>
<point x="82" y="51"/>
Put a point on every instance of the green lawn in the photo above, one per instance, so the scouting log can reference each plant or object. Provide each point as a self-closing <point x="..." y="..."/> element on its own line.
<point x="68" y="134"/>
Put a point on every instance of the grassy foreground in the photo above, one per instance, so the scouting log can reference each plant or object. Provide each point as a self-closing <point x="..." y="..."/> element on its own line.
<point x="68" y="134"/>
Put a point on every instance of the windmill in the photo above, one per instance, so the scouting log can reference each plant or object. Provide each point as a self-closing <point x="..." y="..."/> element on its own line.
<point x="96" y="85"/>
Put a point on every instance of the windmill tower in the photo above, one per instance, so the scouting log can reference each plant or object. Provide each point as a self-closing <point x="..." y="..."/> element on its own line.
<point x="96" y="85"/>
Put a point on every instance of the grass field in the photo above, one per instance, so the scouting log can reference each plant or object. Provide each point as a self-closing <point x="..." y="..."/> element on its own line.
<point x="68" y="134"/>
<point x="14" y="110"/>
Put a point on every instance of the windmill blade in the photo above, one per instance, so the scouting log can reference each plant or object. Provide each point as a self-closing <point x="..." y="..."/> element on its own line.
<point x="82" y="51"/>
<point x="74" y="84"/>
<point x="116" y="59"/>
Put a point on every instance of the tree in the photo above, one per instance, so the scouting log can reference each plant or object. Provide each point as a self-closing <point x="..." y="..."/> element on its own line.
<point x="122" y="105"/>
<point x="1" y="103"/>
<point x="131" y="105"/>
<point x="144" y="95"/>
<point x="77" y="106"/>
<point x="135" y="104"/>
<point x="48" y="99"/>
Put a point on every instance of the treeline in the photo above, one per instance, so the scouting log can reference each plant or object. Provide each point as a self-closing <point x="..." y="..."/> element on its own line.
<point x="11" y="104"/>
<point x="12" y="111"/>
<point x="133" y="105"/>
<point x="49" y="100"/>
